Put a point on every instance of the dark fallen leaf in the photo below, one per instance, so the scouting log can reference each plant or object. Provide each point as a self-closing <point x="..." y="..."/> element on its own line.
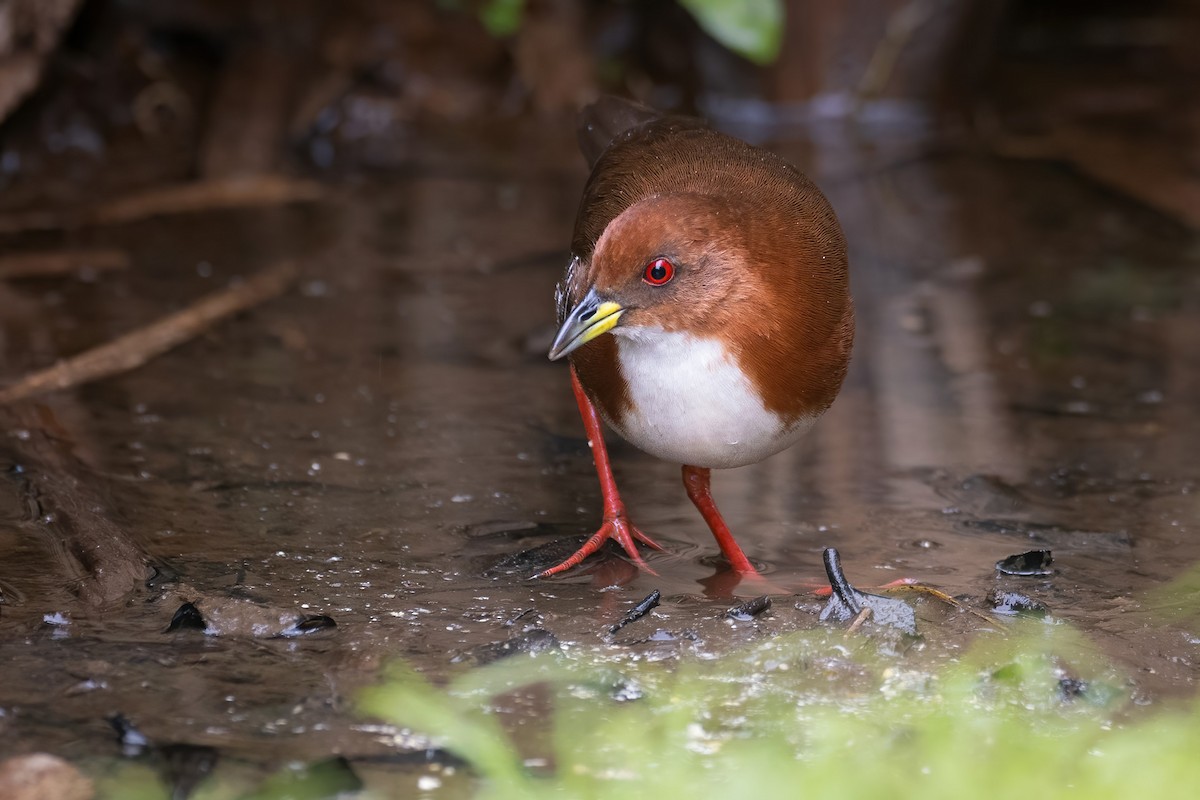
<point x="749" y="609"/>
<point x="1032" y="562"/>
<point x="309" y="624"/>
<point x="637" y="612"/>
<point x="1014" y="604"/>
<point x="187" y="617"/>
<point x="846" y="602"/>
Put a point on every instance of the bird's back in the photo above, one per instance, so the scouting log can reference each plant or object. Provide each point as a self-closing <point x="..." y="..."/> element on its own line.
<point x="636" y="152"/>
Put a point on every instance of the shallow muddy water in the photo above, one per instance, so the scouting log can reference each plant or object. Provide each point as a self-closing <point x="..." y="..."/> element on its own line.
<point x="371" y="445"/>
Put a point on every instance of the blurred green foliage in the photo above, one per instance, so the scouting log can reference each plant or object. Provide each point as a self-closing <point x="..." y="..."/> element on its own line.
<point x="1029" y="711"/>
<point x="502" y="17"/>
<point x="751" y="28"/>
<point x="1010" y="720"/>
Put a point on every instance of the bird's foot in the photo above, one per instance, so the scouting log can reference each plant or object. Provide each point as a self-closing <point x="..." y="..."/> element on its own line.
<point x="616" y="527"/>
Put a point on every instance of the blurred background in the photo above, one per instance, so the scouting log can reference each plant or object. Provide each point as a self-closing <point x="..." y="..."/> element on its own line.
<point x="104" y="95"/>
<point x="347" y="218"/>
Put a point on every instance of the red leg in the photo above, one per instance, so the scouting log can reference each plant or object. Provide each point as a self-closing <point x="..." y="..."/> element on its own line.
<point x="616" y="523"/>
<point x="696" y="481"/>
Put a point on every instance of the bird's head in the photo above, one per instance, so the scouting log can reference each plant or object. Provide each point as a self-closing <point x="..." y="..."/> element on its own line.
<point x="668" y="262"/>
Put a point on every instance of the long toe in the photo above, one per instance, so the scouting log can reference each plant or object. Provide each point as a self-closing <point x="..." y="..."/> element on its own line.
<point x="618" y="528"/>
<point x="646" y="540"/>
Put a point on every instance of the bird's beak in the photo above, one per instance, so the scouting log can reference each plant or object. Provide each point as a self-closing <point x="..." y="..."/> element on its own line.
<point x="591" y="317"/>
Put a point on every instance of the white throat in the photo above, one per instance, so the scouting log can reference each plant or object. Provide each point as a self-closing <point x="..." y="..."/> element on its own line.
<point x="692" y="404"/>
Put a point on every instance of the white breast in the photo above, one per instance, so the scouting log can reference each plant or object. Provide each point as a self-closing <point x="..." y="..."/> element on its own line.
<point x="692" y="405"/>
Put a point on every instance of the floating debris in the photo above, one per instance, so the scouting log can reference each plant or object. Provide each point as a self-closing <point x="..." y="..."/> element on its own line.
<point x="309" y="624"/>
<point x="1029" y="563"/>
<point x="637" y="612"/>
<point x="749" y="609"/>
<point x="187" y="617"/>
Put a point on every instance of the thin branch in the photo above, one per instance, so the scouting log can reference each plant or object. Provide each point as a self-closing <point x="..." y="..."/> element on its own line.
<point x="206" y="195"/>
<point x="860" y="619"/>
<point x="136" y="348"/>
<point x="50" y="263"/>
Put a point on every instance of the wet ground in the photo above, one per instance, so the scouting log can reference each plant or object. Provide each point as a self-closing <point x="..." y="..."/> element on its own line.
<point x="371" y="445"/>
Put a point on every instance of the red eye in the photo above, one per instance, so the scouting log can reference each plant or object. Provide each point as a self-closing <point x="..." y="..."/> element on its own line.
<point x="658" y="272"/>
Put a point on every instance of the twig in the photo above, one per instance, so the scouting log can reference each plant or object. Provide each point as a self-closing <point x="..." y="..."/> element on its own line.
<point x="240" y="192"/>
<point x="206" y="195"/>
<point x="61" y="262"/>
<point x="860" y="619"/>
<point x="938" y="594"/>
<point x="134" y="349"/>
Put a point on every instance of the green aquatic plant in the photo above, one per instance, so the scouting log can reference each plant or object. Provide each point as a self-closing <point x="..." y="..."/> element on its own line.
<point x="1029" y="710"/>
<point x="813" y="715"/>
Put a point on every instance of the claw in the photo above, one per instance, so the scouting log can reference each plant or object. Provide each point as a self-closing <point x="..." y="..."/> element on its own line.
<point x="618" y="528"/>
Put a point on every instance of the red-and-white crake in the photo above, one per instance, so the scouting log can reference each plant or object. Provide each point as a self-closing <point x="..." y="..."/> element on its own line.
<point x="706" y="309"/>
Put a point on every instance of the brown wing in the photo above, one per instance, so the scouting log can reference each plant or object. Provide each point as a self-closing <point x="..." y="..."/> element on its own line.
<point x="604" y="120"/>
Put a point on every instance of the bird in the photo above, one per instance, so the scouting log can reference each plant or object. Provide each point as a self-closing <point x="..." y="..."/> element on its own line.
<point x="705" y="309"/>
